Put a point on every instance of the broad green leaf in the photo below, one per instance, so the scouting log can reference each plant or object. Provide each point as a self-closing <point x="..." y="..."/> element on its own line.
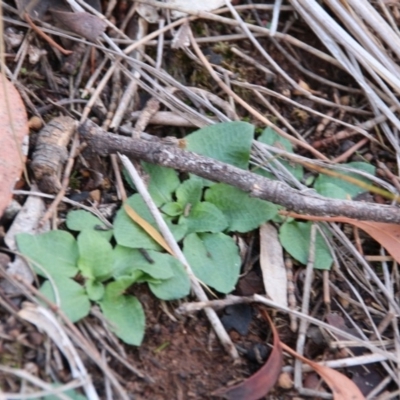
<point x="272" y="138"/>
<point x="214" y="258"/>
<point x="129" y="234"/>
<point x="229" y="142"/>
<point x="94" y="290"/>
<point x="243" y="212"/>
<point x="78" y="220"/>
<point x="323" y="184"/>
<point x="206" y="217"/>
<point x="163" y="182"/>
<point x="125" y="315"/>
<point x="74" y="301"/>
<point x="173" y="288"/>
<point x="173" y="209"/>
<point x="127" y="260"/>
<point x="189" y="192"/>
<point x="95" y="256"/>
<point x="329" y="189"/>
<point x="295" y="238"/>
<point x="56" y="252"/>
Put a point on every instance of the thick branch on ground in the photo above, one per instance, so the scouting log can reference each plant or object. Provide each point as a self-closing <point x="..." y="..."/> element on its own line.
<point x="156" y="152"/>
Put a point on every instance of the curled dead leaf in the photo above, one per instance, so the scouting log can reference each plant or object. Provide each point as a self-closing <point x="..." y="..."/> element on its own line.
<point x="272" y="265"/>
<point x="87" y="25"/>
<point x="259" y="384"/>
<point x="193" y="6"/>
<point x="14" y="129"/>
<point x="342" y="387"/>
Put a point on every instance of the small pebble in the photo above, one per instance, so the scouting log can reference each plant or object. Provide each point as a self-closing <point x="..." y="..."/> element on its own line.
<point x="285" y="381"/>
<point x="35" y="123"/>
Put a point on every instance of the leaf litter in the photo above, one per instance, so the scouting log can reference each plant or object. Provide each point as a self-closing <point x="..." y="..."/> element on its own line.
<point x="14" y="131"/>
<point x="309" y="103"/>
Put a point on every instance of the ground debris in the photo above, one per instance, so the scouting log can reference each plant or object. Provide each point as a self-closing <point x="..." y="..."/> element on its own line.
<point x="51" y="153"/>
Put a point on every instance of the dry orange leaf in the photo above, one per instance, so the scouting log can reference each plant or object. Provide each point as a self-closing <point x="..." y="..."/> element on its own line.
<point x="387" y="235"/>
<point x="151" y="231"/>
<point x="259" y="384"/>
<point x="342" y="387"/>
<point x="13" y="129"/>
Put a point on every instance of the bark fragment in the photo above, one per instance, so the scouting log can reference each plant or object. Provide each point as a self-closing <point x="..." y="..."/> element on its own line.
<point x="51" y="153"/>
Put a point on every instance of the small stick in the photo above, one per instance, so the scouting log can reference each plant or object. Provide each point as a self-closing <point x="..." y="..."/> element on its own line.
<point x="45" y="36"/>
<point x="327" y="296"/>
<point x="343" y="157"/>
<point x="291" y="292"/>
<point x="305" y="308"/>
<point x="277" y="192"/>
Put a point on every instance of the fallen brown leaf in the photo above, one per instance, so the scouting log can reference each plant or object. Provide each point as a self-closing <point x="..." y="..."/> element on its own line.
<point x="259" y="384"/>
<point x="342" y="387"/>
<point x="13" y="129"/>
<point x="84" y="24"/>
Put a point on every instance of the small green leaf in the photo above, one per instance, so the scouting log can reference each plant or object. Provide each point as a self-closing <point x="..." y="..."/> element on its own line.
<point x="178" y="230"/>
<point x="272" y="138"/>
<point x="173" y="288"/>
<point x="95" y="256"/>
<point x="323" y="184"/>
<point x="172" y="209"/>
<point x="78" y="220"/>
<point x="295" y="238"/>
<point x="243" y="212"/>
<point x="94" y="290"/>
<point x="189" y="192"/>
<point x="56" y="252"/>
<point x="229" y="142"/>
<point x="329" y="189"/>
<point x="120" y="285"/>
<point x="206" y="217"/>
<point x="163" y="182"/>
<point x="74" y="301"/>
<point x="214" y="258"/>
<point x="144" y="278"/>
<point x="127" y="260"/>
<point x="124" y="313"/>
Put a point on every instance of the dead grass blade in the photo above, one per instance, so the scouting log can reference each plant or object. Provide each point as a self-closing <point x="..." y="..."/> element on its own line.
<point x="151" y="231"/>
